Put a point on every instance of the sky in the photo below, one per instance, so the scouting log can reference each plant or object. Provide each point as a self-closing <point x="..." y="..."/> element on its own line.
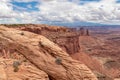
<point x="58" y="12"/>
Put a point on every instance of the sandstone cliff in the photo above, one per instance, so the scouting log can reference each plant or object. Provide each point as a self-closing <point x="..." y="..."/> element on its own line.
<point x="66" y="38"/>
<point x="69" y="39"/>
<point x="44" y="55"/>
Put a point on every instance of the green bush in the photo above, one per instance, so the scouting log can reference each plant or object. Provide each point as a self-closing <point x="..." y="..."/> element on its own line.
<point x="58" y="61"/>
<point x="16" y="65"/>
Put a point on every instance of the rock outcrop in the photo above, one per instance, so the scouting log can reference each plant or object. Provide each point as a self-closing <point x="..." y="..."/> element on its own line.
<point x="66" y="38"/>
<point x="26" y="71"/>
<point x="45" y="55"/>
<point x="3" y="75"/>
<point x="84" y="32"/>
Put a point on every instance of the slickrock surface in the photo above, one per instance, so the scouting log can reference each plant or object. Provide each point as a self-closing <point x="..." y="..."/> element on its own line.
<point x="45" y="55"/>
<point x="66" y="38"/>
<point x="70" y="40"/>
<point x="26" y="71"/>
<point x="3" y="75"/>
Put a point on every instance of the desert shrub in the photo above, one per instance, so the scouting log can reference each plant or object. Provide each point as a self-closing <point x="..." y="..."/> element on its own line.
<point x="16" y="69"/>
<point x="25" y="60"/>
<point x="16" y="65"/>
<point x="58" y="61"/>
<point x="22" y="33"/>
<point x="89" y="49"/>
<point x="13" y="25"/>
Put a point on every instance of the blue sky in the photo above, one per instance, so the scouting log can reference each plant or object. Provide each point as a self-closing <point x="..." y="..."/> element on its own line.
<point x="28" y="6"/>
<point x="60" y="12"/>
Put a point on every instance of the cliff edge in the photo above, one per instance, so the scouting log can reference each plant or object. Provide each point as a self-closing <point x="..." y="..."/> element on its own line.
<point x="44" y="55"/>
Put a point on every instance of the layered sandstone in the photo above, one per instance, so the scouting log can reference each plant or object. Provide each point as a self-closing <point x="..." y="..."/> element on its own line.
<point x="77" y="42"/>
<point x="27" y="71"/>
<point x="69" y="39"/>
<point x="84" y="32"/>
<point x="45" y="55"/>
<point x="66" y="38"/>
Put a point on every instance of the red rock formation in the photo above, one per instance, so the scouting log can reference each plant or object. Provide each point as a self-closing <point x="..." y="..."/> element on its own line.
<point x="69" y="41"/>
<point x="43" y="54"/>
<point x="87" y="32"/>
<point x="66" y="38"/>
<point x="84" y="32"/>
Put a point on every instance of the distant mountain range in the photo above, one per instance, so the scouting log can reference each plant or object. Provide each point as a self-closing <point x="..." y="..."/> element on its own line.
<point x="83" y="24"/>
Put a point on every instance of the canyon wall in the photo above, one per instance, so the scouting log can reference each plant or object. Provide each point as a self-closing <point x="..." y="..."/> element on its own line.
<point x="44" y="55"/>
<point x="66" y="38"/>
<point x="70" y="40"/>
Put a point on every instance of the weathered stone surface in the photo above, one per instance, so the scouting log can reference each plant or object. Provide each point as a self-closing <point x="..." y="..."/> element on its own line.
<point x="84" y="32"/>
<point x="26" y="71"/>
<point x="66" y="38"/>
<point x="43" y="53"/>
<point x="3" y="75"/>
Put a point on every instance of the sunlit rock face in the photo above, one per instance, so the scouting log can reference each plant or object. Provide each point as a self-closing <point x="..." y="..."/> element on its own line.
<point x="41" y="55"/>
<point x="66" y="38"/>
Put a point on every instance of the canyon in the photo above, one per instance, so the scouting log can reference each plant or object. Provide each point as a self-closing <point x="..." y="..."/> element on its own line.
<point x="88" y="52"/>
<point x="43" y="54"/>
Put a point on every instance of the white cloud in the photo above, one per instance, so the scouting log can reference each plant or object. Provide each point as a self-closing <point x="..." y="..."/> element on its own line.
<point x="103" y="11"/>
<point x="24" y="0"/>
<point x="5" y="7"/>
<point x="9" y="15"/>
